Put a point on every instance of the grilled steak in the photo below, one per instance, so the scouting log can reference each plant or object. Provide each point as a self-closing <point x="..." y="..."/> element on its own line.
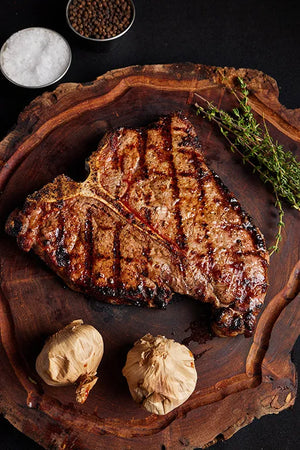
<point x="151" y="219"/>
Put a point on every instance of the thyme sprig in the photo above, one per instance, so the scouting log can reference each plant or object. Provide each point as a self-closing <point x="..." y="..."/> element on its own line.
<point x="254" y="144"/>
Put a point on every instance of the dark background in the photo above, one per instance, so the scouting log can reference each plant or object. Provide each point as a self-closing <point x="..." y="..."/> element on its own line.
<point x="262" y="35"/>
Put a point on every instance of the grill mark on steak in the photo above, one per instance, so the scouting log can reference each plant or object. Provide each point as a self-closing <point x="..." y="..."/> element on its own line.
<point x="116" y="280"/>
<point x="210" y="254"/>
<point x="89" y="244"/>
<point x="187" y="141"/>
<point x="114" y="140"/>
<point x="168" y="151"/>
<point x="188" y="175"/>
<point x="61" y="254"/>
<point x="160" y="174"/>
<point x="201" y="176"/>
<point x="117" y="159"/>
<point x="143" y="135"/>
<point x="146" y="254"/>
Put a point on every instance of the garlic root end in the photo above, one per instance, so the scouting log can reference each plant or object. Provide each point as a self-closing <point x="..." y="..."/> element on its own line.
<point x="86" y="383"/>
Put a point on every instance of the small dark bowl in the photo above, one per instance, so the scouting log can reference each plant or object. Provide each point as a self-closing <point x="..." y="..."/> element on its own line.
<point x="101" y="44"/>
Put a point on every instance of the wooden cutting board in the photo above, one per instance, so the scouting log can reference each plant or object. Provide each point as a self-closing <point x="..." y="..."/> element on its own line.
<point x="238" y="378"/>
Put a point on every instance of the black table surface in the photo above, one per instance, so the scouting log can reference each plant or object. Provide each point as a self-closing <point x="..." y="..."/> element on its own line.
<point x="262" y="35"/>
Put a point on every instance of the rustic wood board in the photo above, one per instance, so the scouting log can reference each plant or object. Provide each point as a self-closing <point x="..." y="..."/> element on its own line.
<point x="238" y="378"/>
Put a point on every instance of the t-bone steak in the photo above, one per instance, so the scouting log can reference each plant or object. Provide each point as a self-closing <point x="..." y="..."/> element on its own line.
<point x="150" y="220"/>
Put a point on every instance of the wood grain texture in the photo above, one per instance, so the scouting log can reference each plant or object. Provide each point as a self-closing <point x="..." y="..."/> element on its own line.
<point x="238" y="378"/>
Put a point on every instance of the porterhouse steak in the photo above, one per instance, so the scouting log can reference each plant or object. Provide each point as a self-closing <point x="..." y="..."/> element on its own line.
<point x="151" y="219"/>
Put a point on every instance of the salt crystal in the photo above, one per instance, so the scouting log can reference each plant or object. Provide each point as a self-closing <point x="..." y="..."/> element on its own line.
<point x="35" y="57"/>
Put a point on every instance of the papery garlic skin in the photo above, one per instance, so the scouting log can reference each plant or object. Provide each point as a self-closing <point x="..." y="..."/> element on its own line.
<point x="72" y="355"/>
<point x="160" y="372"/>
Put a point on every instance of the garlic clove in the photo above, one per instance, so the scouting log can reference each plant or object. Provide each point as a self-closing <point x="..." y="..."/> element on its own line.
<point x="160" y="372"/>
<point x="72" y="355"/>
<point x="85" y="384"/>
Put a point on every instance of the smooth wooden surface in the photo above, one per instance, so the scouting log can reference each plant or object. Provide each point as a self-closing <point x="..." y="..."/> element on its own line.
<point x="238" y="378"/>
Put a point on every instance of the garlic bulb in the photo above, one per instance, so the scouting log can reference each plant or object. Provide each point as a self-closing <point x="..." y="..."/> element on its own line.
<point x="160" y="373"/>
<point x="72" y="355"/>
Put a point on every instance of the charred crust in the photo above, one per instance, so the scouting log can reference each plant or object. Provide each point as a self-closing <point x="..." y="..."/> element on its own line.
<point x="22" y="241"/>
<point x="62" y="257"/>
<point x="160" y="303"/>
<point x="249" y="320"/>
<point x="188" y="141"/>
<point x="161" y="296"/>
<point x="218" y="315"/>
<point x="61" y="254"/>
<point x="14" y="227"/>
<point x="257" y="238"/>
<point x="116" y="251"/>
<point x="228" y="322"/>
<point x="156" y="298"/>
<point x="236" y="324"/>
<point x="264" y="288"/>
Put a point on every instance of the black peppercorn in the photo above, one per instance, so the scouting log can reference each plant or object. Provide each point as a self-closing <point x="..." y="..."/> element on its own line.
<point x="100" y="19"/>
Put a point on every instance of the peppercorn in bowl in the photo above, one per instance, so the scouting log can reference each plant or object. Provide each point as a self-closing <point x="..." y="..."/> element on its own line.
<point x="100" y="20"/>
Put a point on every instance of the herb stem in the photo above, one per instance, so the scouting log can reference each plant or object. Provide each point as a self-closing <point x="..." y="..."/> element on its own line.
<point x="274" y="248"/>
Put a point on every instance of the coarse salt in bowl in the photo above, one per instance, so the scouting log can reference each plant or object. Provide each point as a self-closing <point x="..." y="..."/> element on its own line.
<point x="35" y="57"/>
